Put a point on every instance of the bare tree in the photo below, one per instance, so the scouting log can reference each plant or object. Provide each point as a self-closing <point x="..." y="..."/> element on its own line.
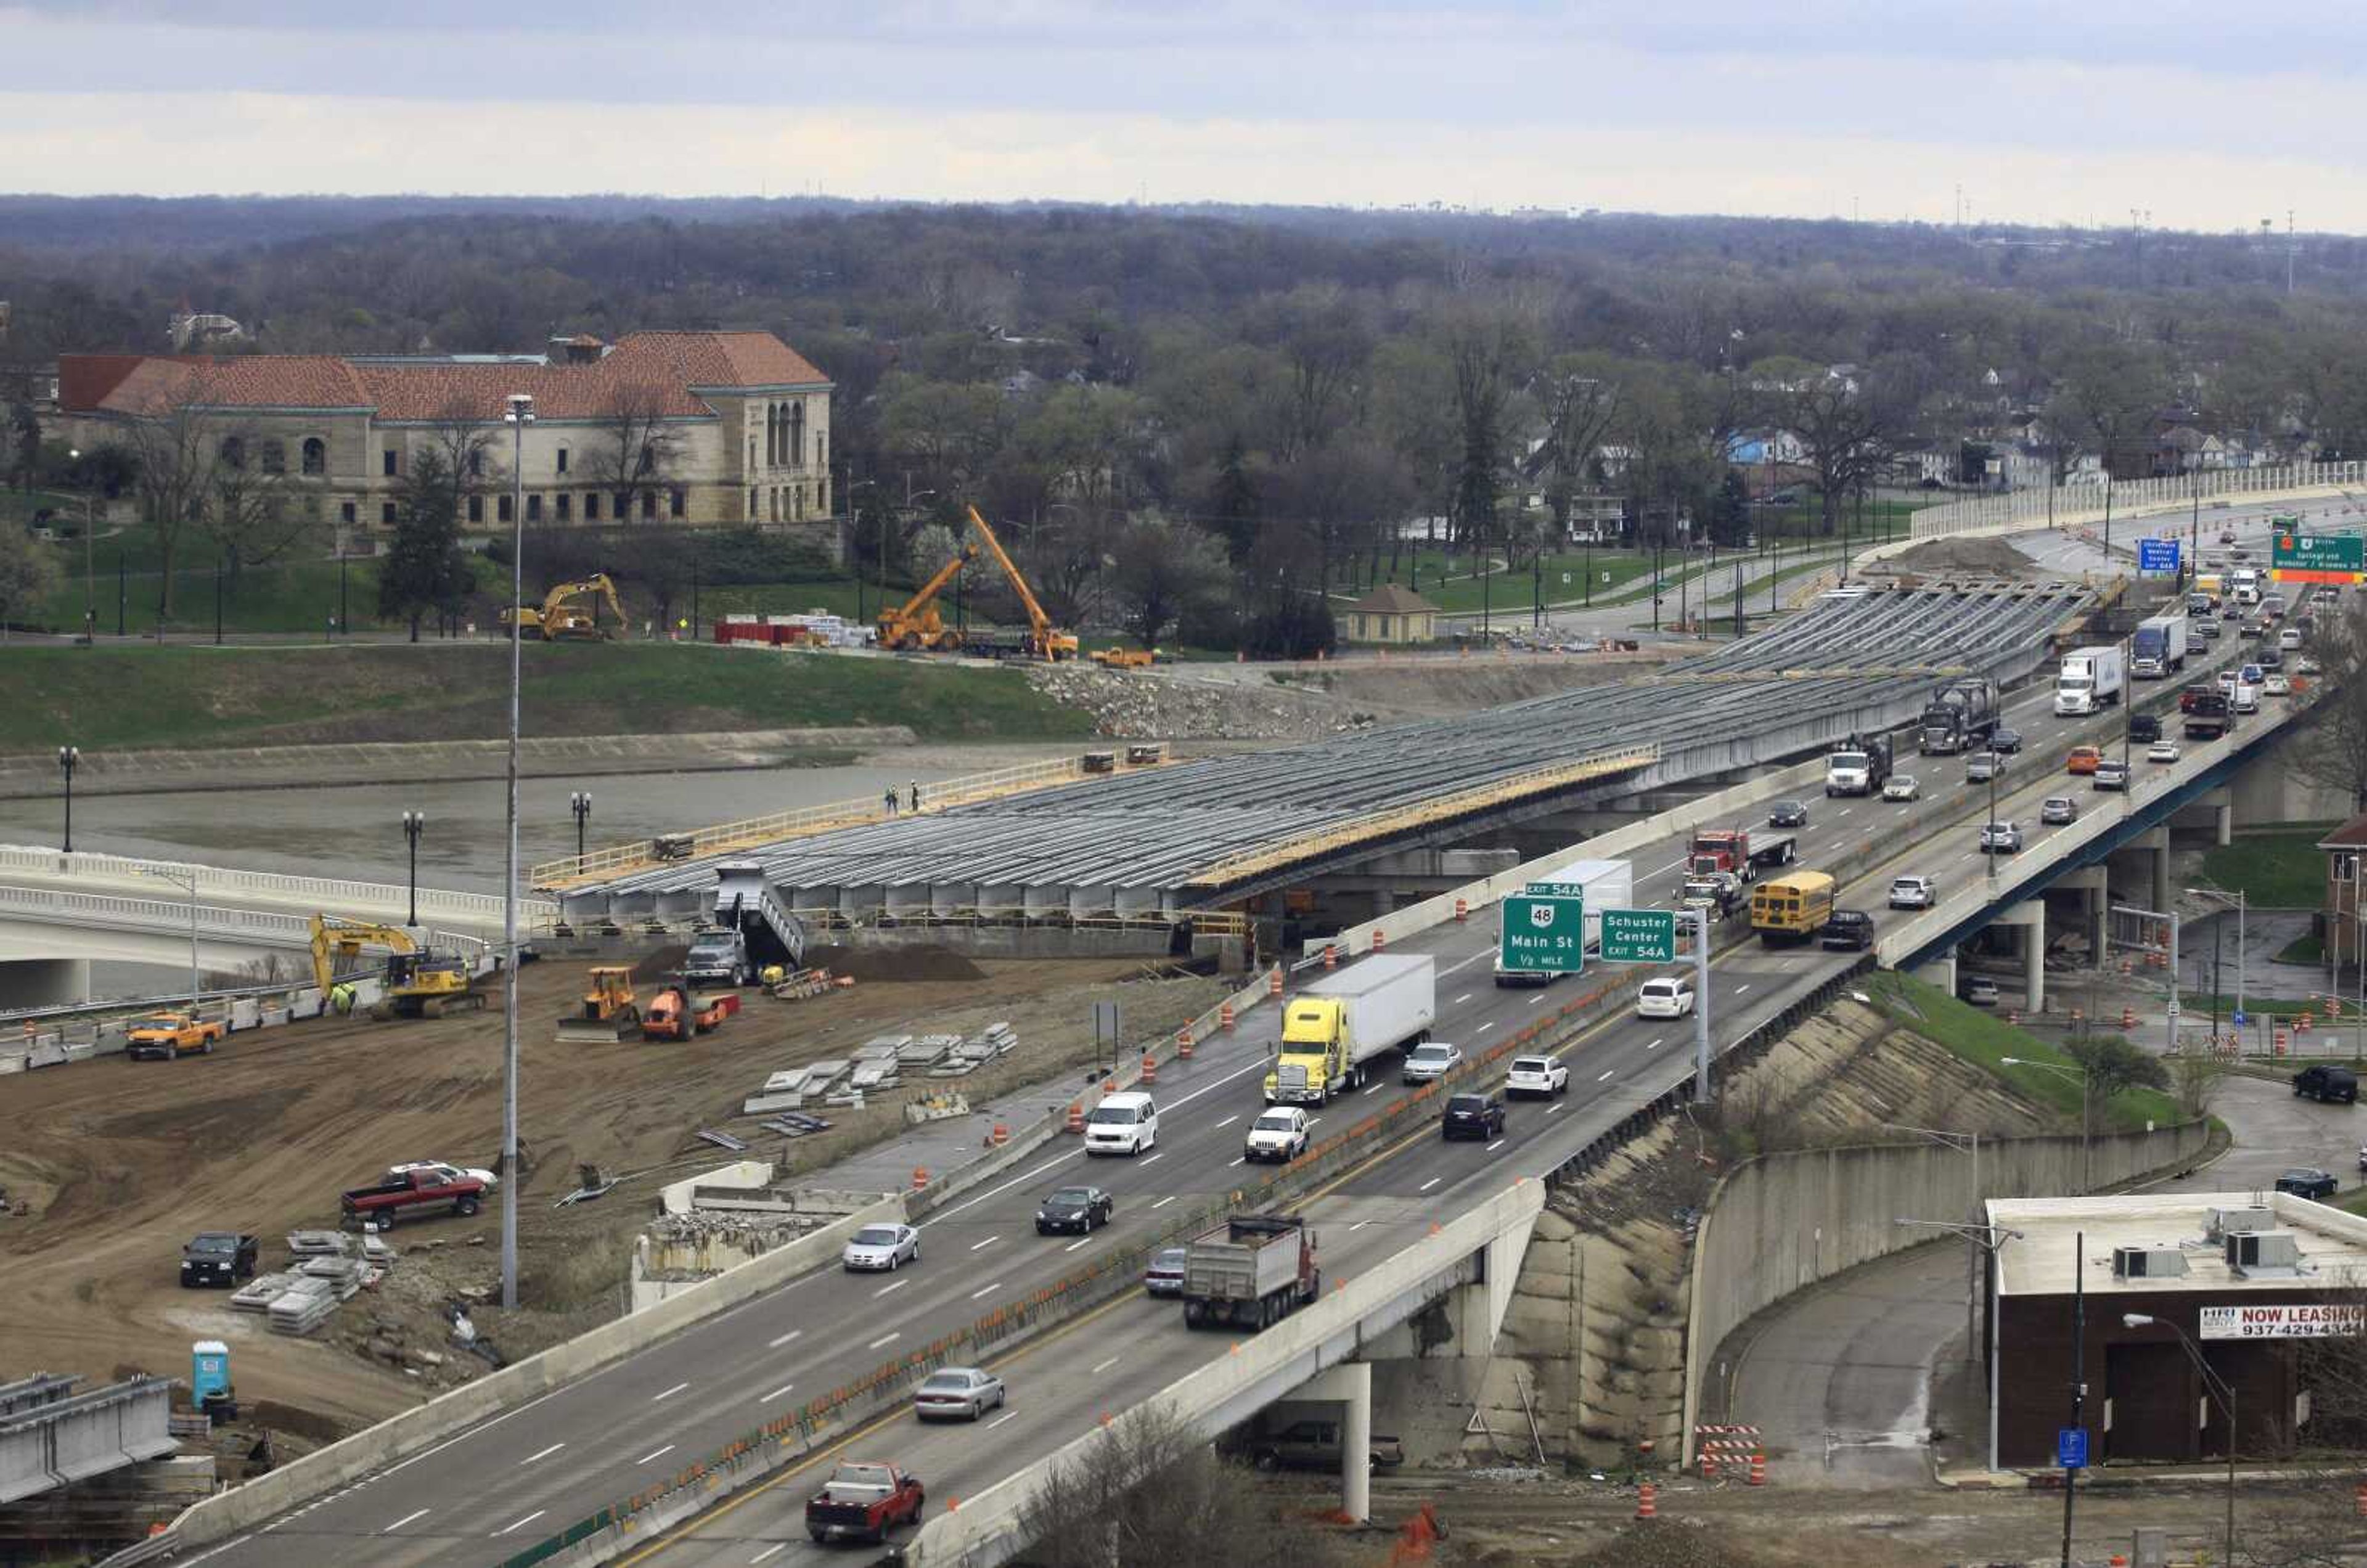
<point x="1582" y="397"/>
<point x="2333" y="750"/>
<point x="176" y="442"/>
<point x="1165" y="571"/>
<point x="1846" y="433"/>
<point x="638" y="448"/>
<point x="253" y="509"/>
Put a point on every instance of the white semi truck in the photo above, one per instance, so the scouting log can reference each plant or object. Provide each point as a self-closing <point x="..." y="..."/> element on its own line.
<point x="2090" y="679"/>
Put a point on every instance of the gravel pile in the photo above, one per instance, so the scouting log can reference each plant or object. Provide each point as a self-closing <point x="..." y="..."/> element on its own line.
<point x="1162" y="705"/>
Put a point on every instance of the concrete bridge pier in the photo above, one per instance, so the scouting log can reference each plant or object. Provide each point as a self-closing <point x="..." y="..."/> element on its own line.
<point x="44" y="982"/>
<point x="2030" y="917"/>
<point x="2093" y="885"/>
<point x="1940" y="972"/>
<point x="1351" y="1385"/>
<point x="2222" y="802"/>
<point x="2157" y="841"/>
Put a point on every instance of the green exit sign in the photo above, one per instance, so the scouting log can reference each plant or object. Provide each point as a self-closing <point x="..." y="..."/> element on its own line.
<point x="1639" y="936"/>
<point x="1542" y="935"/>
<point x="2318" y="558"/>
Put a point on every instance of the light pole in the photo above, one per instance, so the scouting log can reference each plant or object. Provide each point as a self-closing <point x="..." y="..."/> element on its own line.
<point x="518" y="415"/>
<point x="2221" y="1390"/>
<point x="580" y="802"/>
<point x="183" y="876"/>
<point x="2086" y="1182"/>
<point x="2237" y="900"/>
<point x="413" y="824"/>
<point x="89" y="571"/>
<point x="68" y="757"/>
<point x="1963" y="1143"/>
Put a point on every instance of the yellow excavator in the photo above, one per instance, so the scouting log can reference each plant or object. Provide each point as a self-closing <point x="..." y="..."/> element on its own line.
<point x="916" y="624"/>
<point x="420" y="982"/>
<point x="1044" y="640"/>
<point x="562" y="619"/>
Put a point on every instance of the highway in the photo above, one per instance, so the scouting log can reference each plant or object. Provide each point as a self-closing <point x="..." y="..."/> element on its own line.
<point x="501" y="1485"/>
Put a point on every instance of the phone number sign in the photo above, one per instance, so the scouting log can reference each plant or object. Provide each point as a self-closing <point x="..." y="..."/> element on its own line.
<point x="2306" y="1320"/>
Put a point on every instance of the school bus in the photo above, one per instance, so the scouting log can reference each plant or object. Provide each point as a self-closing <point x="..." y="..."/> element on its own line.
<point x="1791" y="909"/>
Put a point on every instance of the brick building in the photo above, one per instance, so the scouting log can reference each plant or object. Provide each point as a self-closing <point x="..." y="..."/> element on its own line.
<point x="685" y="428"/>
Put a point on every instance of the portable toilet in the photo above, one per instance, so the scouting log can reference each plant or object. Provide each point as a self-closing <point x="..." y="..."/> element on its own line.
<point x="209" y="1371"/>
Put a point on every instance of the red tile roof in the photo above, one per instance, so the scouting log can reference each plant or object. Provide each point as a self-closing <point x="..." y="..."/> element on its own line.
<point x="651" y="371"/>
<point x="2352" y="835"/>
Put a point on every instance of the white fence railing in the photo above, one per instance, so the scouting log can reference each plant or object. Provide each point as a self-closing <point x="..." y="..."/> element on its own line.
<point x="231" y="886"/>
<point x="2075" y="504"/>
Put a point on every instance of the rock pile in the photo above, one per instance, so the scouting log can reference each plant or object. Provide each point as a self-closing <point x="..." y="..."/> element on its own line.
<point x="1170" y="705"/>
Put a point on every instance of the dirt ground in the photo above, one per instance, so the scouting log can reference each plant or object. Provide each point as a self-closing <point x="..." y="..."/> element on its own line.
<point x="119" y="1162"/>
<point x="1955" y="558"/>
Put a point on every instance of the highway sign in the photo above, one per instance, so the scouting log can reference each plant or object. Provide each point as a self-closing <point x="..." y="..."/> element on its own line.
<point x="2071" y="1448"/>
<point x="2337" y="559"/>
<point x="2240" y="1020"/>
<point x="2158" y="557"/>
<point x="1556" y="889"/>
<point x="1639" y="936"/>
<point x="1543" y="935"/>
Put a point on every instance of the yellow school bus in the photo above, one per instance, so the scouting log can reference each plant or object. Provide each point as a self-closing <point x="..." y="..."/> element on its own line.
<point x="1791" y="909"/>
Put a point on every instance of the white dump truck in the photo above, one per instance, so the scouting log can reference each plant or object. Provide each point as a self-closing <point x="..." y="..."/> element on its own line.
<point x="1249" y="1271"/>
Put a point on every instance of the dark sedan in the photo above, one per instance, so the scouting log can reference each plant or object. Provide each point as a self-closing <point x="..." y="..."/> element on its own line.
<point x="1788" y="814"/>
<point x="2004" y="739"/>
<point x="1077" y="1209"/>
<point x="2305" y="1182"/>
<point x="1474" y="1116"/>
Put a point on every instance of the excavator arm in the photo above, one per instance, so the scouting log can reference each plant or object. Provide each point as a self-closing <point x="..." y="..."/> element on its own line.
<point x="555" y="603"/>
<point x="333" y="939"/>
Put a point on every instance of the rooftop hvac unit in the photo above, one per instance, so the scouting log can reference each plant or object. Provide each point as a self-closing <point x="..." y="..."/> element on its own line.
<point x="2147" y="1262"/>
<point x="2264" y="1254"/>
<point x="2234" y="1222"/>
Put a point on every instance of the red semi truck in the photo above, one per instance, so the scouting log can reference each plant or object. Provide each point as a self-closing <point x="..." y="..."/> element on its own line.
<point x="1732" y="850"/>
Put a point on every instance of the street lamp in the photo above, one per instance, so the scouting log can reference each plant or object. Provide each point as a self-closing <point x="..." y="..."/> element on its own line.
<point x="413" y="824"/>
<point x="2086" y="1182"/>
<point x="187" y="877"/>
<point x="2236" y="900"/>
<point x="2220" y="1389"/>
<point x="89" y="573"/>
<point x="580" y="802"/>
<point x="68" y="757"/>
<point x="1963" y="1143"/>
<point x="517" y="415"/>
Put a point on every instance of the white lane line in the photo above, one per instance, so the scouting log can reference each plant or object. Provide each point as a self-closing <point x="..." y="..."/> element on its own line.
<point x="1156" y="1158"/>
<point x="522" y="1523"/>
<point x="1467" y="963"/>
<point x="999" y="1420"/>
<point x="1428" y="1185"/>
<point x="1555" y="1108"/>
<point x="1606" y="1077"/>
<point x="544" y="1454"/>
<point x="1236" y="1162"/>
<point x="1360" y="1225"/>
<point x="1312" y="1120"/>
<point x="981" y="1247"/>
<point x="777" y="1546"/>
<point x="1670" y="867"/>
<point x="767" y="1399"/>
<point x="784" y="1339"/>
<point x="672" y="1391"/>
<point x="1494" y="1146"/>
<point x="1103" y="1367"/>
<point x="1377" y="1088"/>
<point x="1014" y="1181"/>
<point x="1461" y="999"/>
<point x="1486" y="1027"/>
<point x="885" y="1339"/>
<point x="659" y="1453"/>
<point x="1744" y="987"/>
<point x="1164" y="1201"/>
<point x="402" y="1521"/>
<point x="1226" y="1122"/>
<point x="1075" y="1244"/>
<point x="1536" y="1000"/>
<point x="874" y="1295"/>
<point x="1845" y="811"/>
<point x="1655" y="1044"/>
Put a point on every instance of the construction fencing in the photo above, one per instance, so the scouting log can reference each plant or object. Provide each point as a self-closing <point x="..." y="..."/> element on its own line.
<point x="2071" y="505"/>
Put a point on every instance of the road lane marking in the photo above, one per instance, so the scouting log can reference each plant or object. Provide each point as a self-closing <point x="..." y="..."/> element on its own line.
<point x="1428" y="1185"/>
<point x="767" y="1399"/>
<point x="1744" y="987"/>
<point x="1467" y="963"/>
<point x="987" y="1290"/>
<point x="1554" y="1109"/>
<point x="983" y="1246"/>
<point x="1103" y="1367"/>
<point x="1360" y="1225"/>
<point x="784" y="1339"/>
<point x="777" y="1546"/>
<point x="996" y="1191"/>
<point x="885" y="1339"/>
<point x="1087" y="1241"/>
<point x="1494" y="1146"/>
<point x="1536" y="1000"/>
<point x="1604" y="1078"/>
<point x="544" y="1454"/>
<point x="1242" y="1161"/>
<point x="680" y="1386"/>
<point x="522" y="1523"/>
<point x="1377" y="1088"/>
<point x="1461" y="999"/>
<point x="1314" y="1121"/>
<point x="1164" y="1201"/>
<point x="1156" y="1158"/>
<point x="402" y="1521"/>
<point x="1225" y="1123"/>
<point x="1486" y="1027"/>
<point x="659" y="1454"/>
<point x="1670" y="867"/>
<point x="990" y="1425"/>
<point x="876" y="1295"/>
<point x="1655" y="1044"/>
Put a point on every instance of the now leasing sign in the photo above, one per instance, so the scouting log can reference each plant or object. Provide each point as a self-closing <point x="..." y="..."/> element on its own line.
<point x="2316" y="1320"/>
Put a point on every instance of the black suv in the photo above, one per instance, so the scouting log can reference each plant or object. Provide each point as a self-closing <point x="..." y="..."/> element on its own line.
<point x="1849" y="930"/>
<point x="2143" y="728"/>
<point x="2326" y="1083"/>
<point x="1474" y="1116"/>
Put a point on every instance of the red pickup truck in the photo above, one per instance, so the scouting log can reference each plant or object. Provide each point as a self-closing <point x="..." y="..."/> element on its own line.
<point x="402" y="1189"/>
<point x="864" y="1501"/>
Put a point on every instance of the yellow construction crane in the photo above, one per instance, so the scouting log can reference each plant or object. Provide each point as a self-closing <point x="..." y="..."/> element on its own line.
<point x="561" y="620"/>
<point x="1044" y="640"/>
<point x="420" y="982"/>
<point x="916" y="624"/>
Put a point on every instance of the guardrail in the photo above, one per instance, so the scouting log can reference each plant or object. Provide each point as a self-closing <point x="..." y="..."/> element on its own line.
<point x="267" y="887"/>
<point x="2065" y="505"/>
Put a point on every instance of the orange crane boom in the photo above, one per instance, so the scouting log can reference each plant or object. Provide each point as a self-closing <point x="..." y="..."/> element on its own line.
<point x="1044" y="640"/>
<point x="916" y="624"/>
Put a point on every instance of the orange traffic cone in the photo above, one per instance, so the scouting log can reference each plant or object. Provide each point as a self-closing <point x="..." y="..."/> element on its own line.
<point x="1331" y="956"/>
<point x="1380" y="939"/>
<point x="1462" y="911"/>
<point x="920" y="1178"/>
<point x="1150" y="1067"/>
<point x="1224" y="1016"/>
<point x="1645" y="1508"/>
<point x="1757" y="1468"/>
<point x="1076" y="1117"/>
<point x="1273" y="982"/>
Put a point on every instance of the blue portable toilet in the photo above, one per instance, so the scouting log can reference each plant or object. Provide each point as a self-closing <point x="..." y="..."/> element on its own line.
<point x="209" y="1371"/>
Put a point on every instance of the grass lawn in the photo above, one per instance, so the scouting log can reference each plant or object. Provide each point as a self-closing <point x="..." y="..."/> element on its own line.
<point x="1984" y="1039"/>
<point x="179" y="695"/>
<point x="2302" y="950"/>
<point x="2282" y="869"/>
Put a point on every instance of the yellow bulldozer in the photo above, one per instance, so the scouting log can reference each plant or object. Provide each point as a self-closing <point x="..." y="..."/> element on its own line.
<point x="609" y="1012"/>
<point x="420" y="982"/>
<point x="563" y="618"/>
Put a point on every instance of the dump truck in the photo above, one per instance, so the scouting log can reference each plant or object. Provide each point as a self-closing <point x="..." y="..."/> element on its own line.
<point x="1739" y="853"/>
<point x="1719" y="892"/>
<point x="2090" y="679"/>
<point x="1959" y="714"/>
<point x="2209" y="716"/>
<point x="1252" y="1270"/>
<point x="1858" y="765"/>
<point x="1601" y="883"/>
<point x="718" y="956"/>
<point x="2158" y="649"/>
<point x="1334" y="1028"/>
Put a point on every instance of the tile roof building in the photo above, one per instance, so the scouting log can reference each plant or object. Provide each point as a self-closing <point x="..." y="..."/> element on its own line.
<point x="1391" y="614"/>
<point x="679" y="427"/>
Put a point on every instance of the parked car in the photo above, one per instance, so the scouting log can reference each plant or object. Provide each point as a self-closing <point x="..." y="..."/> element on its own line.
<point x="2307" y="1181"/>
<point x="962" y="1393"/>
<point x="1914" y="892"/>
<point x="2083" y="760"/>
<point x="1982" y="766"/>
<point x="1077" y="1209"/>
<point x="1977" y="989"/>
<point x="1788" y="814"/>
<point x="884" y="1247"/>
<point x="401" y="1190"/>
<point x="2323" y="1083"/>
<point x="2162" y="751"/>
<point x="1847" y="930"/>
<point x="2143" y="728"/>
<point x="2057" y="810"/>
<point x="2004" y="740"/>
<point x="1315" y="1445"/>
<point x="1902" y="786"/>
<point x="2112" y="774"/>
<point x="166" y="1035"/>
<point x="1543" y="1077"/>
<point x="446" y="1171"/>
<point x="2001" y="838"/>
<point x="1669" y="997"/>
<point x="1472" y="1116"/>
<point x="1163" y="1275"/>
<point x="1432" y="1060"/>
<point x="217" y="1257"/>
<point x="1279" y="1134"/>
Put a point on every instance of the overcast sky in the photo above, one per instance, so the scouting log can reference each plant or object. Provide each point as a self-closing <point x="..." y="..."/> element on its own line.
<point x="2207" y="115"/>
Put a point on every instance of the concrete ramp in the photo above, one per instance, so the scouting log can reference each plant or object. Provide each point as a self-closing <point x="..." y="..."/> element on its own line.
<point x="50" y="1438"/>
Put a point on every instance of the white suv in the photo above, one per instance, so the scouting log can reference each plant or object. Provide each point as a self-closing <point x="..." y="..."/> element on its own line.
<point x="1665" y="998"/>
<point x="1913" y="892"/>
<point x="1122" y="1124"/>
<point x="1542" y="1076"/>
<point x="1279" y="1134"/>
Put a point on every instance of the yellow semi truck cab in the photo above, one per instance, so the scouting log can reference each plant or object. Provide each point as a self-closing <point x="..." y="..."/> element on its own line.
<point x="1341" y="1022"/>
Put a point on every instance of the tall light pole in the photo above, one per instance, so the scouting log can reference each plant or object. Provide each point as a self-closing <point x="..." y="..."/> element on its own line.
<point x="89" y="571"/>
<point x="518" y="415"/>
<point x="2220" y="1389"/>
<point x="2237" y="900"/>
<point x="580" y="802"/>
<point x="413" y="824"/>
<point x="1963" y="1143"/>
<point x="183" y="876"/>
<point x="68" y="756"/>
<point x="2086" y="1182"/>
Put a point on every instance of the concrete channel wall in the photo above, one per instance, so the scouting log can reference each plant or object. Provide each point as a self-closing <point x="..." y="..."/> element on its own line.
<point x="1782" y="1223"/>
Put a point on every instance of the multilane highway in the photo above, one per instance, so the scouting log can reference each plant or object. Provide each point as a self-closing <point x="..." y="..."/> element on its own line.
<point x="504" y="1483"/>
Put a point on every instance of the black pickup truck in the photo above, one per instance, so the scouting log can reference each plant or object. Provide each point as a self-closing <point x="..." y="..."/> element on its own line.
<point x="217" y="1257"/>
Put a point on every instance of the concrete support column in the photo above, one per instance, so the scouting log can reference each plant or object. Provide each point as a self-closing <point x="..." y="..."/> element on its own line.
<point x="2091" y="907"/>
<point x="2033" y="959"/>
<point x="1939" y="972"/>
<point x="1350" y="1383"/>
<point x="1384" y="902"/>
<point x="2223" y="825"/>
<point x="2161" y="874"/>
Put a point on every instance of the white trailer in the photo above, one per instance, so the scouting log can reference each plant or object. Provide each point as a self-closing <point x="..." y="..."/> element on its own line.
<point x="2090" y="679"/>
<point x="2158" y="649"/>
<point x="1603" y="883"/>
<point x="1333" y="1027"/>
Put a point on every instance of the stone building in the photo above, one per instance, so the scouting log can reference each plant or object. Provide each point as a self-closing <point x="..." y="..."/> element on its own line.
<point x="681" y="428"/>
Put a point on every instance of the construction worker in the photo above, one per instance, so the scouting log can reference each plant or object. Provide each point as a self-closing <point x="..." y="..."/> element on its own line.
<point x="890" y="799"/>
<point x="916" y="794"/>
<point x="341" y="997"/>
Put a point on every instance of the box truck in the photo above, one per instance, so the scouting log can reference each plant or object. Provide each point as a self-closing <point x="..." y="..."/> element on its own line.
<point x="1336" y="1026"/>
<point x="2090" y="680"/>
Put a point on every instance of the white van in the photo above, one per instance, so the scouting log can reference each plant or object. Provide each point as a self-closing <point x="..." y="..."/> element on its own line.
<point x="1671" y="997"/>
<point x="1122" y="1124"/>
<point x="2289" y="640"/>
